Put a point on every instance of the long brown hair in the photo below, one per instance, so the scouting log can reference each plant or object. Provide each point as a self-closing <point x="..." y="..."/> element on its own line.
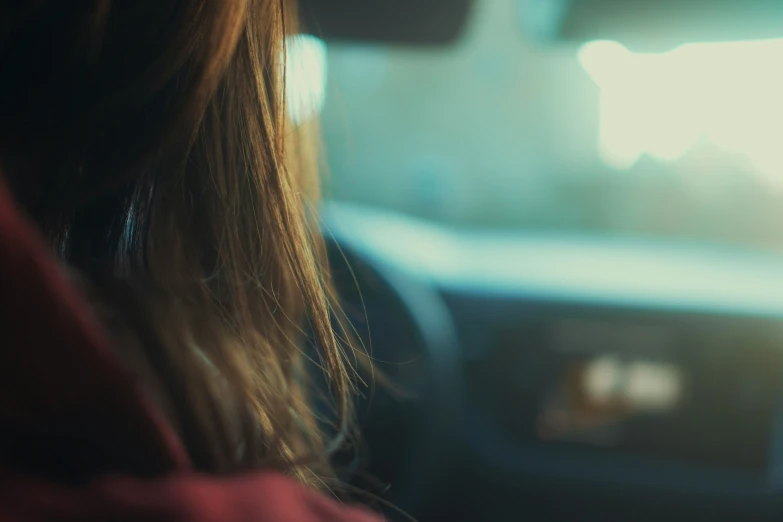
<point x="148" y="139"/>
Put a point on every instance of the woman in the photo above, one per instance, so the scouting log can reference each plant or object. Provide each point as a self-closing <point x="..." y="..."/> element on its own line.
<point x="148" y="170"/>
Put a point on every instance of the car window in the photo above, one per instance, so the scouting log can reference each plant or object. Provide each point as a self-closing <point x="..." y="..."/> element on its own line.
<point x="500" y="132"/>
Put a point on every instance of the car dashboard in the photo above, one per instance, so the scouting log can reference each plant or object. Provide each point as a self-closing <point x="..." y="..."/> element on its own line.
<point x="553" y="376"/>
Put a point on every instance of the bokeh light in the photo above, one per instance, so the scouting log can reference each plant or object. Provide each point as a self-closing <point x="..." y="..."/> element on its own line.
<point x="305" y="77"/>
<point x="662" y="104"/>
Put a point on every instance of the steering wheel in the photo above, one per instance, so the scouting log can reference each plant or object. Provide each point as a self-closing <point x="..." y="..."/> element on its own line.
<point x="408" y="426"/>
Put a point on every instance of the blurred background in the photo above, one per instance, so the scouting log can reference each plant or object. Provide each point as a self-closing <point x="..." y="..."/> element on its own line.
<point x="504" y="129"/>
<point x="558" y="224"/>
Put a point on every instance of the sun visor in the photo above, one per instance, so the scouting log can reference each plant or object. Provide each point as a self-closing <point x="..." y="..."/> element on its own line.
<point x="390" y="22"/>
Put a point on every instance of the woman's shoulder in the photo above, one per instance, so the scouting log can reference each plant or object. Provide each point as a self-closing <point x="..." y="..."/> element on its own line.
<point x="81" y="442"/>
<point x="257" y="497"/>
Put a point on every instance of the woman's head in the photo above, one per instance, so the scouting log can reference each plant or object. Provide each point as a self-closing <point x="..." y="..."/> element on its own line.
<point x="148" y="140"/>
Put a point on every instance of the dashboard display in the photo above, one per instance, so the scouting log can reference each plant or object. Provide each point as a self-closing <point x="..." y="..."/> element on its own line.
<point x="699" y="390"/>
<point x="661" y="391"/>
<point x="596" y="397"/>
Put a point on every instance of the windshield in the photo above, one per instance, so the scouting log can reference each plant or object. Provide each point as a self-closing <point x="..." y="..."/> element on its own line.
<point x="500" y="132"/>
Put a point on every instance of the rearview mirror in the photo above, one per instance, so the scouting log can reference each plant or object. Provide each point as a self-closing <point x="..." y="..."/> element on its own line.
<point x="651" y="23"/>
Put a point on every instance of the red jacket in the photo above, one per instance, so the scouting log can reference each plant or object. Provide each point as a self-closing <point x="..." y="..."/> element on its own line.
<point x="60" y="381"/>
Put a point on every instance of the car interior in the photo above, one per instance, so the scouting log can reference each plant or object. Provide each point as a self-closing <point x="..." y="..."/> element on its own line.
<point x="557" y="227"/>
